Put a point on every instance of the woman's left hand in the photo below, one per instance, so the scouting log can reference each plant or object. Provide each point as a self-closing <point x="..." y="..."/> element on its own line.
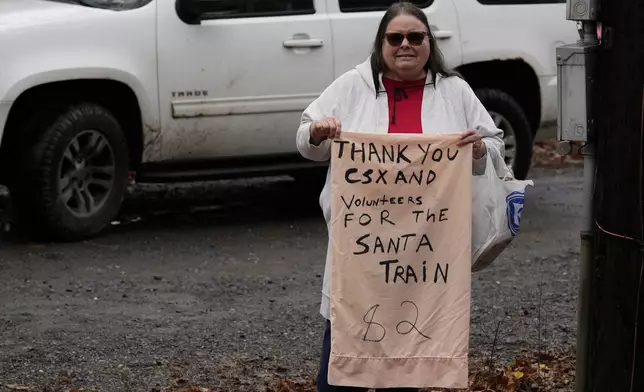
<point x="478" y="147"/>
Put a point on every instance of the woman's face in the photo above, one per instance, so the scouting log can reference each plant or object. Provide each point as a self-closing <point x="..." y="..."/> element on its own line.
<point x="406" y="48"/>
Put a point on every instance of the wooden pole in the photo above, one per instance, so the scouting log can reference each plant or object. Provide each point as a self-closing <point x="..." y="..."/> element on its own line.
<point x="615" y="351"/>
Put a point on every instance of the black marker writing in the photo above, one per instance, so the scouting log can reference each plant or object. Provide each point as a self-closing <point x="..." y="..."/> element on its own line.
<point x="393" y="244"/>
<point x="430" y="216"/>
<point x="365" y="219"/>
<point x="412" y="326"/>
<point x="407" y="273"/>
<point x="368" y="318"/>
<point x="384" y="217"/>
<point x="384" y="200"/>
<point x="372" y="310"/>
<point x="437" y="154"/>
<point x="443" y="274"/>
<point x="351" y="176"/>
<point x="341" y="144"/>
<point x="425" y="152"/>
<point x="371" y="152"/>
<point x="420" y="177"/>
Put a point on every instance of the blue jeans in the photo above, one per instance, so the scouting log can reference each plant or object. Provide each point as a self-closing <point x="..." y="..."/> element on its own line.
<point x="323" y="385"/>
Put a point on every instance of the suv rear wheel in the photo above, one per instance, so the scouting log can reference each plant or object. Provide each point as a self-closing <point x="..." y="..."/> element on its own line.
<point x="517" y="134"/>
<point x="73" y="179"/>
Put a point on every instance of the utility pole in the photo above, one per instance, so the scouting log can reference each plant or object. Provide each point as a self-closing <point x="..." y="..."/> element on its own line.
<point x="601" y="98"/>
<point x="575" y="73"/>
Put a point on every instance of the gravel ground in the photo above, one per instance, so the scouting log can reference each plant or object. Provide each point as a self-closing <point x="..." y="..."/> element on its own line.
<point x="219" y="285"/>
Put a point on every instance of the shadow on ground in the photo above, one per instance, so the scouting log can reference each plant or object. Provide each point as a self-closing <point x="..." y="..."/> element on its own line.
<point x="241" y="202"/>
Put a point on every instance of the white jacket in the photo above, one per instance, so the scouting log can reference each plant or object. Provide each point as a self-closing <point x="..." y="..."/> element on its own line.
<point x="450" y="106"/>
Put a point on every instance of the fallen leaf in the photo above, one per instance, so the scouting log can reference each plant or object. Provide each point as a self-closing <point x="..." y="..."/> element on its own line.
<point x="18" y="387"/>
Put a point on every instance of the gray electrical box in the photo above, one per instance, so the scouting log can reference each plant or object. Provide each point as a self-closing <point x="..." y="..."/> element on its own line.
<point x="582" y="10"/>
<point x="575" y="64"/>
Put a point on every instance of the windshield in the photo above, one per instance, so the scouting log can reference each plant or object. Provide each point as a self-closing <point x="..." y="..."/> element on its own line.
<point x="108" y="4"/>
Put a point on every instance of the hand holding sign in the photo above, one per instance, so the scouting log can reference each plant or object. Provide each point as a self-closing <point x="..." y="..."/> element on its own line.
<point x="471" y="136"/>
<point x="327" y="128"/>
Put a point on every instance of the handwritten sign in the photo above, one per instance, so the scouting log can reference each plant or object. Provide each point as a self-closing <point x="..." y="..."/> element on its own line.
<point x="400" y="261"/>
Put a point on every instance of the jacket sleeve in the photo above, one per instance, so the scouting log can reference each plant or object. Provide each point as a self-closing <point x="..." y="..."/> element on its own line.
<point x="326" y="105"/>
<point x="480" y="120"/>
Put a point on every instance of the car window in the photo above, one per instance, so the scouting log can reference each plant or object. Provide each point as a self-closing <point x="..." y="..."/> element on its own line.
<point x="518" y="2"/>
<point x="255" y="8"/>
<point x="375" y="5"/>
<point x="108" y="4"/>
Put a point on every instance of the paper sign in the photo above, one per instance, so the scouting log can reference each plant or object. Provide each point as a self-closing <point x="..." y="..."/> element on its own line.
<point x="401" y="261"/>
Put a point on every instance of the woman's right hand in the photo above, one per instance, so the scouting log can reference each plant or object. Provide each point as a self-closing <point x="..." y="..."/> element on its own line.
<point x="326" y="128"/>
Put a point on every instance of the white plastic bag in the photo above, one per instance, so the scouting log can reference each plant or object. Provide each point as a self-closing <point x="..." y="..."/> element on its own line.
<point x="497" y="204"/>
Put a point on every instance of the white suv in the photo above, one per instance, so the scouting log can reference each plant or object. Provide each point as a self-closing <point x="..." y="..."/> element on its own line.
<point x="182" y="90"/>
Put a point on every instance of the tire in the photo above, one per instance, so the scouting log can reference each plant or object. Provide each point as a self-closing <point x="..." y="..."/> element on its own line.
<point x="501" y="105"/>
<point x="84" y="151"/>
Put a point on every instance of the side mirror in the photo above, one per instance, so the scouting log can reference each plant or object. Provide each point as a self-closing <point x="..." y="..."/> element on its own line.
<point x="194" y="11"/>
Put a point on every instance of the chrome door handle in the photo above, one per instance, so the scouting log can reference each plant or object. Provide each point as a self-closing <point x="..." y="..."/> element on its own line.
<point x="441" y="34"/>
<point x="303" y="43"/>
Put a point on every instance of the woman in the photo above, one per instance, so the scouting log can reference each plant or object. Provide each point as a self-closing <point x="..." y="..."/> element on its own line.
<point x="404" y="87"/>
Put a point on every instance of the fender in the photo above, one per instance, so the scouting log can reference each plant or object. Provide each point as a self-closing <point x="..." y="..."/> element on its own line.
<point x="147" y="105"/>
<point x="49" y="42"/>
<point x="480" y="56"/>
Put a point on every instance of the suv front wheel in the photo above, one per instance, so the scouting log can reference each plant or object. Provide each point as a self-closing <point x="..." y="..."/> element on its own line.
<point x="74" y="178"/>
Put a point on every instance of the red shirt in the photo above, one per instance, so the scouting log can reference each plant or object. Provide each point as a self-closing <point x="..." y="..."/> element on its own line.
<point x="405" y="102"/>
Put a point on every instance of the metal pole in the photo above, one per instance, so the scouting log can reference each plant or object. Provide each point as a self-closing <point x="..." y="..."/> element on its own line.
<point x="588" y="35"/>
<point x="576" y="66"/>
<point x="585" y="274"/>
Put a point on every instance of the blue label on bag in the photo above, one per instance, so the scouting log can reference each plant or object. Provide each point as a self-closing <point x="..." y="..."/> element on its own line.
<point x="513" y="211"/>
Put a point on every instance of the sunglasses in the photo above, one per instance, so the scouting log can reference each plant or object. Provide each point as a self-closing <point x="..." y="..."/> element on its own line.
<point x="414" y="38"/>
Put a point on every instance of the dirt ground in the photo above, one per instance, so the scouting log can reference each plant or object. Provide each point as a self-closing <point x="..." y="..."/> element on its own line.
<point x="219" y="285"/>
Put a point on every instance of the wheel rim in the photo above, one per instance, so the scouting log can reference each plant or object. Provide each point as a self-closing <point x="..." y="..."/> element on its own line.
<point x="509" y="137"/>
<point x="86" y="173"/>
